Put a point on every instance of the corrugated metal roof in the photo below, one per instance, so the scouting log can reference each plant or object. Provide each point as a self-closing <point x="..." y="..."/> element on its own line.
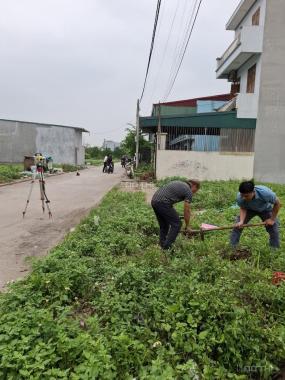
<point x="47" y="124"/>
<point x="193" y="102"/>
<point x="201" y="120"/>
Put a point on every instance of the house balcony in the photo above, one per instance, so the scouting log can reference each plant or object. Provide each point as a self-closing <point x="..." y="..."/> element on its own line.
<point x="247" y="106"/>
<point x="248" y="42"/>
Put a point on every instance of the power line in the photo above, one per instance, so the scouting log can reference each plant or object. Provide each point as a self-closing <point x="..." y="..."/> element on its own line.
<point x="151" y="46"/>
<point x="181" y="49"/>
<point x="177" y="50"/>
<point x="184" y="51"/>
<point x="165" y="49"/>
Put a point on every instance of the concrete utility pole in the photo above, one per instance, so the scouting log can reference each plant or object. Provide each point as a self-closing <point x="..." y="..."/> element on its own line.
<point x="159" y="129"/>
<point x="137" y="132"/>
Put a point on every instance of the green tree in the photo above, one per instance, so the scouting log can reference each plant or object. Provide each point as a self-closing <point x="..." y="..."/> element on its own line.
<point x="129" y="142"/>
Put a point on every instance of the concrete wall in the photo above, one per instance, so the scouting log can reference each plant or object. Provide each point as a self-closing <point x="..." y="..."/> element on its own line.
<point x="203" y="165"/>
<point x="19" y="139"/>
<point x="269" y="163"/>
<point x="16" y="141"/>
<point x="247" y="104"/>
<point x="247" y="21"/>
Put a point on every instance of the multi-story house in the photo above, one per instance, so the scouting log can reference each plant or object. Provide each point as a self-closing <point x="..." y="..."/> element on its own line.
<point x="255" y="64"/>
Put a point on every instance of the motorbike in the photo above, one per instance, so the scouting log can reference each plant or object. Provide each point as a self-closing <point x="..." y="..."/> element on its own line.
<point x="129" y="166"/>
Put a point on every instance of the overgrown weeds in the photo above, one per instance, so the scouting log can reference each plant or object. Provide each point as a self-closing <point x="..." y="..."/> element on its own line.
<point x="105" y="304"/>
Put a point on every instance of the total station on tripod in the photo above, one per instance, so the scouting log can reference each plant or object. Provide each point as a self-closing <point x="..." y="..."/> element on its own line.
<point x="32" y="163"/>
<point x="38" y="171"/>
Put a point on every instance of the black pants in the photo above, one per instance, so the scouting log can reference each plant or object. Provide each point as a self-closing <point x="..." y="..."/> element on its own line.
<point x="169" y="223"/>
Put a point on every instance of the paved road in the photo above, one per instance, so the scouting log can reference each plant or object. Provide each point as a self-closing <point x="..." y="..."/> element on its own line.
<point x="71" y="199"/>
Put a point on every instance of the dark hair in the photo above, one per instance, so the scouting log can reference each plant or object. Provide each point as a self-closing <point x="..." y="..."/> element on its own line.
<point x="246" y="187"/>
<point x="194" y="182"/>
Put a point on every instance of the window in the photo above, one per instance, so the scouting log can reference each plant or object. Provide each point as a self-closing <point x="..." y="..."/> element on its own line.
<point x="251" y="80"/>
<point x="256" y="17"/>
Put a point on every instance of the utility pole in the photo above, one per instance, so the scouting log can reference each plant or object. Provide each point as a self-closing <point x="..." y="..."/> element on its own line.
<point x="137" y="132"/>
<point x="159" y="128"/>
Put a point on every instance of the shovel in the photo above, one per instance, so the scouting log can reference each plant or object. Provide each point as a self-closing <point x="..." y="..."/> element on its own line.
<point x="208" y="227"/>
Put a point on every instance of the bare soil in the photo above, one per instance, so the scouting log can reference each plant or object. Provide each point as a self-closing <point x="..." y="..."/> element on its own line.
<point x="236" y="254"/>
<point x="71" y="198"/>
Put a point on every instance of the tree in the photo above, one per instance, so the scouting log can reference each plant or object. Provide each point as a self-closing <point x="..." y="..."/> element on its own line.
<point x="129" y="142"/>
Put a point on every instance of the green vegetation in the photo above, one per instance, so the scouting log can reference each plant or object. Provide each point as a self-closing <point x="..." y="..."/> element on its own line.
<point x="10" y="172"/>
<point x="129" y="143"/>
<point x="127" y="147"/>
<point x="94" y="154"/>
<point x="108" y="304"/>
<point x="145" y="172"/>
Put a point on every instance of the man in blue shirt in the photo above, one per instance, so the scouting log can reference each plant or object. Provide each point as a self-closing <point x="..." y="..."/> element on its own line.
<point x="257" y="201"/>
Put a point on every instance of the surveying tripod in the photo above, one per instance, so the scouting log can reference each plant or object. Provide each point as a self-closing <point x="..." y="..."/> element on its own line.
<point x="40" y="172"/>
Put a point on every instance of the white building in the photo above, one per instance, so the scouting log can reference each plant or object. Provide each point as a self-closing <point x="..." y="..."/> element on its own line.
<point x="109" y="144"/>
<point x="255" y="63"/>
<point x="241" y="62"/>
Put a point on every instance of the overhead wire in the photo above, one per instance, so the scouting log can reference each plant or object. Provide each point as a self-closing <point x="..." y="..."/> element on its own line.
<point x="165" y="49"/>
<point x="151" y="46"/>
<point x="185" y="48"/>
<point x="178" y="47"/>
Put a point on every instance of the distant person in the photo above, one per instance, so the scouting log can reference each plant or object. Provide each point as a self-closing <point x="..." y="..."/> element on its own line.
<point x="109" y="159"/>
<point x="167" y="217"/>
<point x="123" y="160"/>
<point x="105" y="163"/>
<point x="257" y="201"/>
<point x="110" y="164"/>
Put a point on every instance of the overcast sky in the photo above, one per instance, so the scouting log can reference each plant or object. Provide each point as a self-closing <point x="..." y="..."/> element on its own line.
<point x="83" y="62"/>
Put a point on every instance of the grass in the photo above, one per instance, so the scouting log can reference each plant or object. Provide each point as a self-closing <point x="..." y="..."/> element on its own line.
<point x="108" y="304"/>
<point x="145" y="172"/>
<point x="10" y="172"/>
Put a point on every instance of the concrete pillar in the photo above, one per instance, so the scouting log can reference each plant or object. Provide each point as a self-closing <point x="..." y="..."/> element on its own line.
<point x="269" y="162"/>
<point x="161" y="141"/>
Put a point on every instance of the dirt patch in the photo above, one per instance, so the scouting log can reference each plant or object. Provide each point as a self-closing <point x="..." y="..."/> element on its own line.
<point x="280" y="375"/>
<point x="236" y="254"/>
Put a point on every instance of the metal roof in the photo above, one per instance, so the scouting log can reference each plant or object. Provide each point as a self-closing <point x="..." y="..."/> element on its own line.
<point x="46" y="124"/>
<point x="200" y="120"/>
<point x="193" y="102"/>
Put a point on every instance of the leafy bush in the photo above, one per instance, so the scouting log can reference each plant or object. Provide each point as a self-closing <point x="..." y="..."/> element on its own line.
<point x="10" y="172"/>
<point x="108" y="304"/>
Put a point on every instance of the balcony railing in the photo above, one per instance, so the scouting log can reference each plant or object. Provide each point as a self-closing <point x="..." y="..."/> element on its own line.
<point x="233" y="46"/>
<point x="248" y="41"/>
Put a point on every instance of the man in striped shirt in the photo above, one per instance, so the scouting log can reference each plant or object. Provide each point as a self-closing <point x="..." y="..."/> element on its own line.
<point x="162" y="204"/>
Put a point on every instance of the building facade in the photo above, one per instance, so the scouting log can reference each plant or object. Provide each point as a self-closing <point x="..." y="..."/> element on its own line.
<point x="203" y="145"/>
<point x="19" y="139"/>
<point x="255" y="64"/>
<point x="109" y="144"/>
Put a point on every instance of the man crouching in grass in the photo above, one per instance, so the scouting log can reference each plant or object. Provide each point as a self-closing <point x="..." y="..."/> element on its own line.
<point x="257" y="201"/>
<point x="167" y="217"/>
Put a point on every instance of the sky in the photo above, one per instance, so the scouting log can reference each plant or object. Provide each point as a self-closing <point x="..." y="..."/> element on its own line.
<point x="83" y="62"/>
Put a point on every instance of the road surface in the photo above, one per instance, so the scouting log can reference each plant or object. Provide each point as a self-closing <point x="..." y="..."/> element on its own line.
<point x="71" y="198"/>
